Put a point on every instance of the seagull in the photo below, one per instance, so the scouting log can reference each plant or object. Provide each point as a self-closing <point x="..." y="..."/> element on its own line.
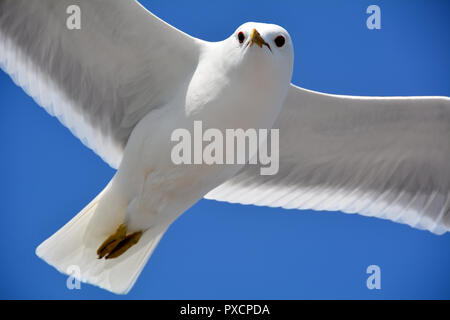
<point x="125" y="80"/>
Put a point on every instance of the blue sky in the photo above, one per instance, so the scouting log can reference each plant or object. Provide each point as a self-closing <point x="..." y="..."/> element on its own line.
<point x="223" y="251"/>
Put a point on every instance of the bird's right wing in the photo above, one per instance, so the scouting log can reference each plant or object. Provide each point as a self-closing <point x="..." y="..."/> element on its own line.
<point x="101" y="79"/>
<point x="381" y="157"/>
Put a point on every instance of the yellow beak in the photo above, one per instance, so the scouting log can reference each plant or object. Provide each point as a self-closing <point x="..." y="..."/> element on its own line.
<point x="256" y="38"/>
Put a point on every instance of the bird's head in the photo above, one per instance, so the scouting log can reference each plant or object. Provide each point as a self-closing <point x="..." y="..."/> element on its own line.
<point x="261" y="51"/>
<point x="253" y="66"/>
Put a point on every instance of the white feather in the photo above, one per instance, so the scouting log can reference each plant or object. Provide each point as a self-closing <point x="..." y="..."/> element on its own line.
<point x="382" y="157"/>
<point x="70" y="247"/>
<point x="99" y="81"/>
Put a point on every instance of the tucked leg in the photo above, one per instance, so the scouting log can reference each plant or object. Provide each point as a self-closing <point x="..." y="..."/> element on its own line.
<point x="118" y="243"/>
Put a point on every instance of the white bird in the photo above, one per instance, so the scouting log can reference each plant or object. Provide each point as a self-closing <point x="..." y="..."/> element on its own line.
<point x="126" y="80"/>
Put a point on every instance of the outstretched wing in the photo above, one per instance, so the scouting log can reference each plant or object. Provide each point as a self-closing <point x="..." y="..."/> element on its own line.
<point x="99" y="80"/>
<point x="383" y="157"/>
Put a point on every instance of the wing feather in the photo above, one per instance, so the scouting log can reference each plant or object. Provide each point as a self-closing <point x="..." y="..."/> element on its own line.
<point x="381" y="157"/>
<point x="99" y="81"/>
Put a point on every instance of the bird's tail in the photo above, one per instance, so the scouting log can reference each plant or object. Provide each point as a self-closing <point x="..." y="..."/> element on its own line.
<point x="72" y="250"/>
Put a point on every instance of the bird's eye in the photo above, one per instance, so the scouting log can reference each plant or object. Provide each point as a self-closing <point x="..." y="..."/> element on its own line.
<point x="280" y="41"/>
<point x="241" y="37"/>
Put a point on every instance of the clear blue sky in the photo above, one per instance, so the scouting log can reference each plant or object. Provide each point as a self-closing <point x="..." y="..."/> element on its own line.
<point x="223" y="251"/>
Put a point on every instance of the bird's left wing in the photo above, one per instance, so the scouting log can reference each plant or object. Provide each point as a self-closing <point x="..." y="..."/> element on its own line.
<point x="98" y="65"/>
<point x="383" y="157"/>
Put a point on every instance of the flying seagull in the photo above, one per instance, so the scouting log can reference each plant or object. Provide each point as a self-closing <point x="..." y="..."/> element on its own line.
<point x="125" y="80"/>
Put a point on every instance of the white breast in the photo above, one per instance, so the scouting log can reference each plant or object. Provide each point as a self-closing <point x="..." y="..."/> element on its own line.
<point x="237" y="91"/>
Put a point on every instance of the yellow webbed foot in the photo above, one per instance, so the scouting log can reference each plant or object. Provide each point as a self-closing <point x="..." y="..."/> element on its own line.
<point x="118" y="243"/>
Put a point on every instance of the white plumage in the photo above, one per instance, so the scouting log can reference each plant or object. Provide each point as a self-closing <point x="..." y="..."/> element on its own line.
<point x="126" y="80"/>
<point x="382" y="157"/>
<point x="95" y="80"/>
